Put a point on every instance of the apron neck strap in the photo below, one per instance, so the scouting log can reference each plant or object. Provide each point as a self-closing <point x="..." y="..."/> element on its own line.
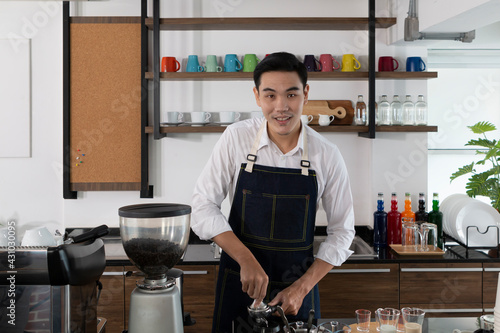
<point x="252" y="157"/>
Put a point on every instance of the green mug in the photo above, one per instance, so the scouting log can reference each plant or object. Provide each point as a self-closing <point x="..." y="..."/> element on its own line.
<point x="250" y="61"/>
<point x="211" y="64"/>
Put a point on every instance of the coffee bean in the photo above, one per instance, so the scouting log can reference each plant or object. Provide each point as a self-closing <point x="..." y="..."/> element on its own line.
<point x="153" y="256"/>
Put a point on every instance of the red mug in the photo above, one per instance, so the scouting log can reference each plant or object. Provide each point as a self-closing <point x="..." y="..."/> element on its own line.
<point x="170" y="64"/>
<point x="387" y="64"/>
<point x="327" y="61"/>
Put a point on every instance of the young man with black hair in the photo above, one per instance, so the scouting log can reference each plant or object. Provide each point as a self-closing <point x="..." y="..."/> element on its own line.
<point x="275" y="170"/>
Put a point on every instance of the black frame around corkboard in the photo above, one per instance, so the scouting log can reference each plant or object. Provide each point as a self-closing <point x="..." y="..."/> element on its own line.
<point x="103" y="150"/>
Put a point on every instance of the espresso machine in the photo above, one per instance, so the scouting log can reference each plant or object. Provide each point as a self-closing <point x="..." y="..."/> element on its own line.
<point x="154" y="238"/>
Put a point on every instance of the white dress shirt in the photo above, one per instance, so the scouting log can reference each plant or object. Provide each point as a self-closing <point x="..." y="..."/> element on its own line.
<point x="220" y="175"/>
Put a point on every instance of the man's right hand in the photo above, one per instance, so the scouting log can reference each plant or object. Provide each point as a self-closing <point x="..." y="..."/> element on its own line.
<point x="254" y="279"/>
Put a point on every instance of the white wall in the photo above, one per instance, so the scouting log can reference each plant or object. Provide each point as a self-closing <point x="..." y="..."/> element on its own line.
<point x="31" y="189"/>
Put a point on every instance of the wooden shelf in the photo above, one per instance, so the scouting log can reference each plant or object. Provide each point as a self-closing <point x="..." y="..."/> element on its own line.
<point x="335" y="75"/>
<point x="106" y="186"/>
<point x="332" y="128"/>
<point x="270" y="23"/>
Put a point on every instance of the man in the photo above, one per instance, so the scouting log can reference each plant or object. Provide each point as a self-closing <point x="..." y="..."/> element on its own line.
<point x="275" y="170"/>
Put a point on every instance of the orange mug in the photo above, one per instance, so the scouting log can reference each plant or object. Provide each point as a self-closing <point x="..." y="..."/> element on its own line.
<point x="170" y="64"/>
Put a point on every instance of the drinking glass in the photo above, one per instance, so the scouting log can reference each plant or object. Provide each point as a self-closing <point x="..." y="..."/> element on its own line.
<point x="413" y="319"/>
<point x="388" y="319"/>
<point x="429" y="236"/>
<point x="410" y="236"/>
<point x="363" y="320"/>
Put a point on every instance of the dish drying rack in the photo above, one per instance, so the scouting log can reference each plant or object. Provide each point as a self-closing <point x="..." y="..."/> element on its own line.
<point x="466" y="244"/>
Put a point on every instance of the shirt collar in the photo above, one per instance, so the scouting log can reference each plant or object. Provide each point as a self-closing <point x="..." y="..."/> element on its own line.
<point x="266" y="141"/>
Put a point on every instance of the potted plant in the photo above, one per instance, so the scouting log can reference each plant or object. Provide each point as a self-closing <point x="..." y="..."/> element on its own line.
<point x="485" y="183"/>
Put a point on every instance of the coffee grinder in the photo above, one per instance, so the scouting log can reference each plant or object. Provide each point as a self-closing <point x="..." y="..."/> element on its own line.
<point x="155" y="237"/>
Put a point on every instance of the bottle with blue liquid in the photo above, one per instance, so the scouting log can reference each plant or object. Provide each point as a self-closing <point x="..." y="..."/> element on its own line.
<point x="380" y="224"/>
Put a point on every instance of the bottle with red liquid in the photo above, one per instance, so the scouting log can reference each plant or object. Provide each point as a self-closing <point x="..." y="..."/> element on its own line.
<point x="394" y="222"/>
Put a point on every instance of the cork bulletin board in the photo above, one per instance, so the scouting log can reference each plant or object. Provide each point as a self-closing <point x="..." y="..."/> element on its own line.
<point x="105" y="105"/>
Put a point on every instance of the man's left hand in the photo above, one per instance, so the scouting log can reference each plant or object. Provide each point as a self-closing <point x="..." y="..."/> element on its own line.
<point x="290" y="298"/>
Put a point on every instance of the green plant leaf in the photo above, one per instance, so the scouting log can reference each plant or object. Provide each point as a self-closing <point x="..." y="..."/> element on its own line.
<point x="495" y="197"/>
<point x="482" y="127"/>
<point x="481" y="143"/>
<point x="478" y="185"/>
<point x="462" y="171"/>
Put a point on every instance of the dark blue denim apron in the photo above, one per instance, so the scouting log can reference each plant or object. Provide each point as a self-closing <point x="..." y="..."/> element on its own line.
<point x="273" y="213"/>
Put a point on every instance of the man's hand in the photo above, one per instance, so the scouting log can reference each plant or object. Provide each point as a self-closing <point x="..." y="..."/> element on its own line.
<point x="254" y="279"/>
<point x="290" y="298"/>
<point x="293" y="296"/>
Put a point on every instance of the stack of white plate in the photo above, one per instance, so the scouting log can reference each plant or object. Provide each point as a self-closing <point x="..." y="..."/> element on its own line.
<point x="460" y="211"/>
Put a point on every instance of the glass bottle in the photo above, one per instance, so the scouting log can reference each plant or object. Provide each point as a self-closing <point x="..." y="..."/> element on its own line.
<point x="407" y="215"/>
<point x="384" y="111"/>
<point x="421" y="111"/>
<point x="408" y="111"/>
<point x="361" y="117"/>
<point x="436" y="217"/>
<point x="396" y="111"/>
<point x="394" y="222"/>
<point x="380" y="224"/>
<point x="421" y="214"/>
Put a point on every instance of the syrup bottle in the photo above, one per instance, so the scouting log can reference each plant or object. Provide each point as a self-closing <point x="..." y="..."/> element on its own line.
<point x="421" y="214"/>
<point x="394" y="222"/>
<point x="380" y="224"/>
<point x="436" y="217"/>
<point x="407" y="215"/>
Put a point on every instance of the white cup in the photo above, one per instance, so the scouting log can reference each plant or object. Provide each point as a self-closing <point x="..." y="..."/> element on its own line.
<point x="174" y="117"/>
<point x="4" y="234"/>
<point x="229" y="117"/>
<point x="256" y="114"/>
<point x="40" y="236"/>
<point x="325" y="120"/>
<point x="306" y="119"/>
<point x="200" y="117"/>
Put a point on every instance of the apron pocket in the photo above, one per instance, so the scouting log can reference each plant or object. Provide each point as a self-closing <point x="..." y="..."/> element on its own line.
<point x="278" y="218"/>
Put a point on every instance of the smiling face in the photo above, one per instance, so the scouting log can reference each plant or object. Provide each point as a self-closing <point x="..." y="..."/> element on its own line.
<point x="282" y="96"/>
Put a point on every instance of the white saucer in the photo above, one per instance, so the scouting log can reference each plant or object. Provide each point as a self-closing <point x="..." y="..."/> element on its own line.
<point x="196" y="124"/>
<point x="171" y="124"/>
<point x="224" y="124"/>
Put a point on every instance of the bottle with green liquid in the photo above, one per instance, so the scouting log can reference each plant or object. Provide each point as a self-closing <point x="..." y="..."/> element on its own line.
<point x="436" y="217"/>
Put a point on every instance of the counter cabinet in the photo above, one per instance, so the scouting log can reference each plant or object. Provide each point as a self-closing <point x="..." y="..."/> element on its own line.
<point x="443" y="289"/>
<point x="358" y="286"/>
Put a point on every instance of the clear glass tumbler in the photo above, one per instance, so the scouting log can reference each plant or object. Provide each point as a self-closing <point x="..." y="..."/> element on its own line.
<point x="363" y="318"/>
<point x="388" y="320"/>
<point x="429" y="236"/>
<point x="410" y="238"/>
<point x="413" y="319"/>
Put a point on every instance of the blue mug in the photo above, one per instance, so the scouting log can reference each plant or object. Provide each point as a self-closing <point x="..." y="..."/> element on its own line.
<point x="415" y="64"/>
<point x="193" y="65"/>
<point x="232" y="64"/>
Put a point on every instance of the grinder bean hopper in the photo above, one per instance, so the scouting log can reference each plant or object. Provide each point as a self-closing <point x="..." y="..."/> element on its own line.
<point x="154" y="238"/>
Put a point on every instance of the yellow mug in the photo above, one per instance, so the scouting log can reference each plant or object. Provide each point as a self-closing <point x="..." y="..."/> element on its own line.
<point x="350" y="63"/>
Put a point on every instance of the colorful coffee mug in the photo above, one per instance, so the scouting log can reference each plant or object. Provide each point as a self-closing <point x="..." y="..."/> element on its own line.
<point x="350" y="63"/>
<point x="250" y="61"/>
<point x="387" y="64"/>
<point x="327" y="61"/>
<point x="312" y="63"/>
<point x="232" y="64"/>
<point x="211" y="64"/>
<point x="170" y="64"/>
<point x="193" y="64"/>
<point x="415" y="64"/>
